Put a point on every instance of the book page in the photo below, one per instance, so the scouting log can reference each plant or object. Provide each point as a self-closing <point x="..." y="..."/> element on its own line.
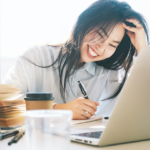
<point x="93" y="118"/>
<point x="10" y="96"/>
<point x="6" y="86"/>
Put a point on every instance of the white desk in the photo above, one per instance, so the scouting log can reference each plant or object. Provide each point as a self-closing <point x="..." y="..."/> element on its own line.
<point x="21" y="145"/>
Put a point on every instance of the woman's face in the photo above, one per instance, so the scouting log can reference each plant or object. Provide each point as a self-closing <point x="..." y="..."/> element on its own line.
<point x="93" y="49"/>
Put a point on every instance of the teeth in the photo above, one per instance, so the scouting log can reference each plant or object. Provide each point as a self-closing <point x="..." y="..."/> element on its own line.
<point x="92" y="53"/>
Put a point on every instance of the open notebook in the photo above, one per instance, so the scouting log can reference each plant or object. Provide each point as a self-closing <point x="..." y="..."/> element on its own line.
<point x="92" y="119"/>
<point x="12" y="106"/>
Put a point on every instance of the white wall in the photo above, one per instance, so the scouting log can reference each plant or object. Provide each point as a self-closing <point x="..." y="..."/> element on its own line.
<point x="25" y="23"/>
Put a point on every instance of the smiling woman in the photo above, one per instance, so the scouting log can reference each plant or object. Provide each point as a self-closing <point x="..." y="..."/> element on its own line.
<point x="96" y="49"/>
<point x="99" y="47"/>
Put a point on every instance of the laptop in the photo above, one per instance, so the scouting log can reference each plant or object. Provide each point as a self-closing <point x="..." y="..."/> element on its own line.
<point x="130" y="118"/>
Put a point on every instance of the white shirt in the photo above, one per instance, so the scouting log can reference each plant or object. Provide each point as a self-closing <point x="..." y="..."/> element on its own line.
<point x="99" y="82"/>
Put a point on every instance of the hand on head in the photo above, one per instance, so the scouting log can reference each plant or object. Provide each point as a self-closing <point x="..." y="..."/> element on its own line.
<point x="137" y="34"/>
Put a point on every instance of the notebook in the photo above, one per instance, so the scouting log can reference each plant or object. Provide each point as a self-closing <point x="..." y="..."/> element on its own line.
<point x="92" y="119"/>
<point x="130" y="118"/>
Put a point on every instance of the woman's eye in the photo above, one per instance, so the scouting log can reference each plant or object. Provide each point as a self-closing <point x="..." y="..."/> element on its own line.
<point x="113" y="46"/>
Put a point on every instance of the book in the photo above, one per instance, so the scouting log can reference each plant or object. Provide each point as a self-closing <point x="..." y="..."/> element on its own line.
<point x="12" y="106"/>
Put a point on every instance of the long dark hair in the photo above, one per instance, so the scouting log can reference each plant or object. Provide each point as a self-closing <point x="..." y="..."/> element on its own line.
<point x="102" y="14"/>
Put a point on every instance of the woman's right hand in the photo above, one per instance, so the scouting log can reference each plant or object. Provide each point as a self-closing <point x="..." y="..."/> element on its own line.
<point x="79" y="106"/>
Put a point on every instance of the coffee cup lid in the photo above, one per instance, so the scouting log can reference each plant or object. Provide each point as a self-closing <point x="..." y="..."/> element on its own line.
<point x="39" y="96"/>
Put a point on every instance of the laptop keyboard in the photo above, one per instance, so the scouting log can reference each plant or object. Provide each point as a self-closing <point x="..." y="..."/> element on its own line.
<point x="90" y="134"/>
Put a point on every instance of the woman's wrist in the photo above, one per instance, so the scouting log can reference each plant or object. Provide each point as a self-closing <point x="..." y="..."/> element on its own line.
<point x="138" y="50"/>
<point x="59" y="106"/>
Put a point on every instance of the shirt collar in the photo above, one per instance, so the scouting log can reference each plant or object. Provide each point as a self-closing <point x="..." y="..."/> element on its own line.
<point x="89" y="67"/>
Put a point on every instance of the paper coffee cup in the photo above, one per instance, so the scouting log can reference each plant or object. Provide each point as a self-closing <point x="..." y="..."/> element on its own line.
<point x="39" y="101"/>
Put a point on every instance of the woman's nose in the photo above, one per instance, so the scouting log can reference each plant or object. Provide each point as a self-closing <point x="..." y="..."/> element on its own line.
<point x="100" y="48"/>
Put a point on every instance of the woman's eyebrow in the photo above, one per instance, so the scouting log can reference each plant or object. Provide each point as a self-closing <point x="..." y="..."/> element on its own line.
<point x="116" y="41"/>
<point x="107" y="36"/>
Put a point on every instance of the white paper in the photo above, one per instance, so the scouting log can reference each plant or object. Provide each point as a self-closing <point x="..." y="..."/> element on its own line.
<point x="92" y="119"/>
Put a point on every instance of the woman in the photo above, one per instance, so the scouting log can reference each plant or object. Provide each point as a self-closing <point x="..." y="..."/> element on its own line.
<point x="101" y="46"/>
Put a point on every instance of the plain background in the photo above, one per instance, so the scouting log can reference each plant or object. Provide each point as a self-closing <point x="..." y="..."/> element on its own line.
<point x="25" y="23"/>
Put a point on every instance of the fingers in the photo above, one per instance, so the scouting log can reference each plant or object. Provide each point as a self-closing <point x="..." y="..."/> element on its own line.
<point x="79" y="106"/>
<point x="88" y="109"/>
<point x="96" y="103"/>
<point x="132" y="29"/>
<point x="87" y="115"/>
<point x="90" y="103"/>
<point x="82" y="115"/>
<point x="135" y="22"/>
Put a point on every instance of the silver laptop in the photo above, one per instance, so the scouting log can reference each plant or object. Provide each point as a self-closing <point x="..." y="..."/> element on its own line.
<point x="130" y="119"/>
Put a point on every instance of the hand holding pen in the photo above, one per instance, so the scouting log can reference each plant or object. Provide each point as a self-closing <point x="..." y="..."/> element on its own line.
<point x="79" y="106"/>
<point x="82" y="88"/>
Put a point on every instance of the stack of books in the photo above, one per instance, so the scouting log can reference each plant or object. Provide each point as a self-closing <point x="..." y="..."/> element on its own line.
<point x="12" y="106"/>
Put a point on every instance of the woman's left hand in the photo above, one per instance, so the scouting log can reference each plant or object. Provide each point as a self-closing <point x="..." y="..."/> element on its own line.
<point x="137" y="34"/>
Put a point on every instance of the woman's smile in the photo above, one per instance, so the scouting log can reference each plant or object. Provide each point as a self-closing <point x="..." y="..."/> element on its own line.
<point x="91" y="53"/>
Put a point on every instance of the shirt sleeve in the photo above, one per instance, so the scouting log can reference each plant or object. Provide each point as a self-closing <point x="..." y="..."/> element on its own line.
<point x="23" y="73"/>
<point x="16" y="76"/>
<point x="28" y="77"/>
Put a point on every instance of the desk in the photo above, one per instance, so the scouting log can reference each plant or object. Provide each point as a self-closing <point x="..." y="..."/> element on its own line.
<point x="21" y="145"/>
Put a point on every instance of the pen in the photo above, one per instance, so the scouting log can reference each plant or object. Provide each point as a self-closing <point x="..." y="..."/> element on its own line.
<point x="82" y="88"/>
<point x="106" y="117"/>
<point x="16" y="138"/>
<point x="8" y="134"/>
<point x="19" y="136"/>
<point x="12" y="140"/>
